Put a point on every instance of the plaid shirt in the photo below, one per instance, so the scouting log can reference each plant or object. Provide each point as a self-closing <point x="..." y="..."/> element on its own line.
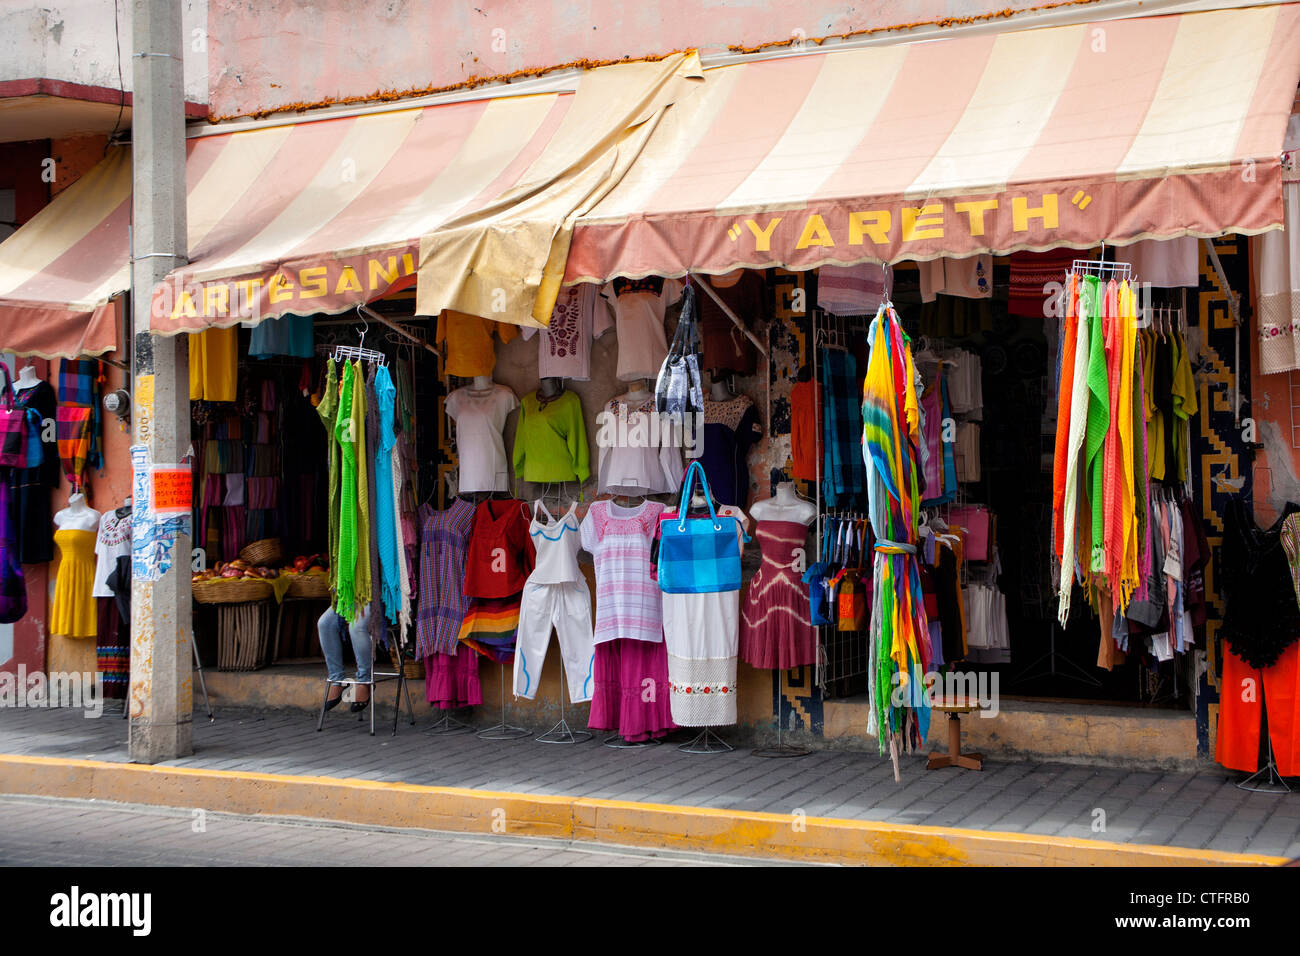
<point x="74" y="443"/>
<point x="80" y="382"/>
<point x="844" y="474"/>
<point x="444" y="544"/>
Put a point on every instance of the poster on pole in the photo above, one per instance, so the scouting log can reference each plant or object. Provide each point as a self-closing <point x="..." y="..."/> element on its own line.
<point x="162" y="498"/>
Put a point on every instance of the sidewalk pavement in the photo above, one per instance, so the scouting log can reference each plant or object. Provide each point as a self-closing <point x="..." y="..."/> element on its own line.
<point x="1066" y="804"/>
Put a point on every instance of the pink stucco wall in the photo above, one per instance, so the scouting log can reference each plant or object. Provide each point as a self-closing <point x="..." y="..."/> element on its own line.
<point x="279" y="53"/>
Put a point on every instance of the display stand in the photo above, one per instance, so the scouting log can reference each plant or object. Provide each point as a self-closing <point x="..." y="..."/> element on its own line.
<point x="561" y="733"/>
<point x="706" y="742"/>
<point x="203" y="685"/>
<point x="1035" y="669"/>
<point x="616" y="742"/>
<point x="781" y="750"/>
<point x="502" y="730"/>
<point x="1272" y="781"/>
<point x="448" y="725"/>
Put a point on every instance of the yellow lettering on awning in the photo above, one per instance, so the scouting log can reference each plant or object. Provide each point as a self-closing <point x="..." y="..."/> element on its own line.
<point x="762" y="237"/>
<point x="1021" y="213"/>
<point x="216" y="300"/>
<point x="314" y="282"/>
<point x="408" y="264"/>
<point x="814" y="233"/>
<point x="976" y="212"/>
<point x="244" y="296"/>
<point x="923" y="223"/>
<point x="378" y="271"/>
<point x="348" y="281"/>
<point x="874" y="225"/>
<point x="185" y="306"/>
<point x="280" y="287"/>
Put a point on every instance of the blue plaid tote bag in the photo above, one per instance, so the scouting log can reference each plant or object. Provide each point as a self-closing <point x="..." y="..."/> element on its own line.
<point x="698" y="555"/>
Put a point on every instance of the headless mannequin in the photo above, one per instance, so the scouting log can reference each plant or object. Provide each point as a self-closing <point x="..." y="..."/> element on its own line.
<point x="639" y="392"/>
<point x="27" y="378"/>
<point x="482" y="383"/>
<point x="125" y="510"/>
<point x="550" y="387"/>
<point x="720" y="391"/>
<point x="785" y="505"/>
<point x="77" y="516"/>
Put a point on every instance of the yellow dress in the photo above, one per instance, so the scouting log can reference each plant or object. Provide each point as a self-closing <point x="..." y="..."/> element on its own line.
<point x="73" y="613"/>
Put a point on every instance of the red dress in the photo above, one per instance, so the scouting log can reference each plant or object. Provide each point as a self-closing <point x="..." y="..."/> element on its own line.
<point x="499" y="560"/>
<point x="776" y="630"/>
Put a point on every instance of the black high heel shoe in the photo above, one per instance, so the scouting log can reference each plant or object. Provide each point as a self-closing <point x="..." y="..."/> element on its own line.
<point x="359" y="705"/>
<point x="332" y="702"/>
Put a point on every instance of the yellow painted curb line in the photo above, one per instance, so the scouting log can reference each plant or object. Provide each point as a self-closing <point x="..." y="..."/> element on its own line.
<point x="699" y="829"/>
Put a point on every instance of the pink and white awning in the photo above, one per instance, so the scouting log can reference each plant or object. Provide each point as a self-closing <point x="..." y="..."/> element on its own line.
<point x="1063" y="136"/>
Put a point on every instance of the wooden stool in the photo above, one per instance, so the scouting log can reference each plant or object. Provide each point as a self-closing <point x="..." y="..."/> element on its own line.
<point x="954" y="757"/>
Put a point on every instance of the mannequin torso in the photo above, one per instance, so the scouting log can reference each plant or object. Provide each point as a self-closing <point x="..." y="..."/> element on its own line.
<point x="27" y="377"/>
<point x="785" y="505"/>
<point x="78" y="516"/>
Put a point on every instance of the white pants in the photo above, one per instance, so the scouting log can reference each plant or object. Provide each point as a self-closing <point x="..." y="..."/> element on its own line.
<point x="567" y="608"/>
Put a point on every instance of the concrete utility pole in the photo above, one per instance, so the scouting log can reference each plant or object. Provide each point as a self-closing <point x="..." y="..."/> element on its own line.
<point x="161" y="697"/>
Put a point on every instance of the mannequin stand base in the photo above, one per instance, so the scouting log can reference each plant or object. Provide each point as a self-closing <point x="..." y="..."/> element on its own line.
<point x="616" y="742"/>
<point x="448" y="725"/>
<point x="706" y="742"/>
<point x="504" y="731"/>
<point x="1272" y="781"/>
<point x="562" y="733"/>
<point x="780" y="751"/>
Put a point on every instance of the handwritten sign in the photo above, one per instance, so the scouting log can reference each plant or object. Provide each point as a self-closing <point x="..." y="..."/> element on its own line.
<point x="172" y="490"/>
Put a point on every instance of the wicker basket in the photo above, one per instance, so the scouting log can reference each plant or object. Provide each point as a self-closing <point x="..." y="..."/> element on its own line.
<point x="266" y="553"/>
<point x="314" y="586"/>
<point x="232" y="590"/>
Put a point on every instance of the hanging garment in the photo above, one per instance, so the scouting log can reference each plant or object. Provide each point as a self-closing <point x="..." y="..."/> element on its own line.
<point x="805" y="426"/>
<point x="727" y="350"/>
<point x="451" y="681"/>
<point x="1036" y="277"/>
<point x="1261" y="619"/>
<point x="291" y="335"/>
<point x="480" y="419"/>
<point x="776" y="631"/>
<point x="1275" y="259"/>
<point x="853" y="290"/>
<point x="639" y="306"/>
<point x="346" y="428"/>
<point x="112" y="648"/>
<point x="555" y="597"/>
<point x="628" y="697"/>
<point x="702" y="632"/>
<point x="731" y="428"/>
<point x="564" y="347"/>
<point x="387" y="529"/>
<point x="551" y="440"/>
<point x="375" y="618"/>
<point x="74" y="431"/>
<point x="1245" y="695"/>
<point x="843" y="474"/>
<point x="501" y="557"/>
<point x="467" y="340"/>
<point x="13" y="587"/>
<point x="968" y="278"/>
<point x="628" y="601"/>
<point x="937" y="491"/>
<point x="111" y="542"/>
<point x="640" y="454"/>
<point x="1164" y="263"/>
<point x="32" y="485"/>
<point x="1098" y="422"/>
<point x="73" y="613"/>
<point x="214" y="365"/>
<point x="81" y="382"/>
<point x="899" y="650"/>
<point x="444" y="547"/>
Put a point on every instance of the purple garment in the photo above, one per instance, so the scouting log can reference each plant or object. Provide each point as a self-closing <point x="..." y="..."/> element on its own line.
<point x="932" y="408"/>
<point x="631" y="689"/>
<point x="13" y="588"/>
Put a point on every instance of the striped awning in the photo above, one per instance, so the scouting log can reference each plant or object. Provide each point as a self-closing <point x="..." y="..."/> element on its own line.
<point x="1121" y="130"/>
<point x="62" y="271"/>
<point x="477" y="198"/>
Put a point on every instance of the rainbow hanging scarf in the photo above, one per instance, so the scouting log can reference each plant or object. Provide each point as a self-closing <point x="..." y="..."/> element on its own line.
<point x="900" y="651"/>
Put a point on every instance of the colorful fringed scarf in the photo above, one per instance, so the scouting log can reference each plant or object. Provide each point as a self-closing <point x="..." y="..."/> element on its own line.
<point x="900" y="651"/>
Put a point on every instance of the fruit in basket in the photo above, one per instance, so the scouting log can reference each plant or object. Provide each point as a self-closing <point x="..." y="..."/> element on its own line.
<point x="231" y="572"/>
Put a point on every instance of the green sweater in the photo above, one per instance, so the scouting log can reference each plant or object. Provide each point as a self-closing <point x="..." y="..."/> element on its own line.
<point x="551" y="442"/>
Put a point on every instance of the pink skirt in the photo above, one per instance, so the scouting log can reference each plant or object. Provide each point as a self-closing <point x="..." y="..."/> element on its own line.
<point x="451" y="680"/>
<point x="631" y="689"/>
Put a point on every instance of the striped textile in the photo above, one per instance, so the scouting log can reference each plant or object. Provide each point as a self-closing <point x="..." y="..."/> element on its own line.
<point x="629" y="603"/>
<point x="73" y="430"/>
<point x="899" y="653"/>
<point x="444" y="542"/>
<point x="489" y="627"/>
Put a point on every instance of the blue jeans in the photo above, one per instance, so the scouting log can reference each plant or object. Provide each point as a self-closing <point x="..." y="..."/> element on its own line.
<point x="330" y="627"/>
